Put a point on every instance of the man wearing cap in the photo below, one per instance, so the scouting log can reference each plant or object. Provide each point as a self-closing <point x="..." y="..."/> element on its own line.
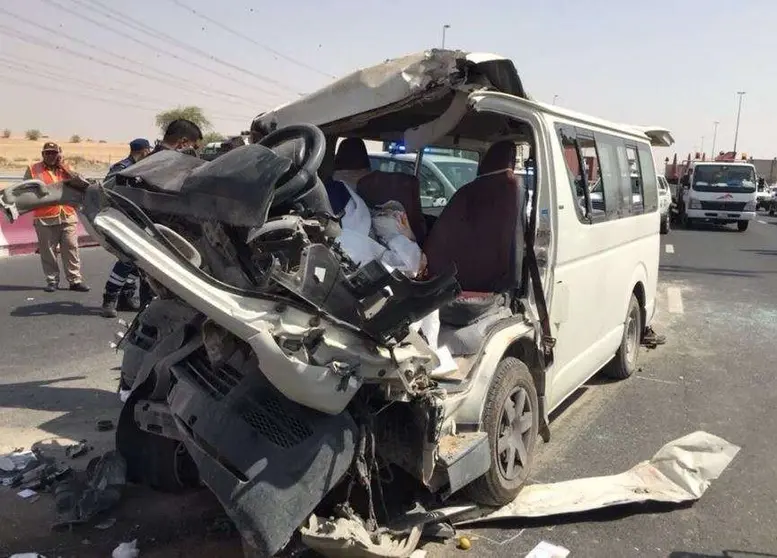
<point x="56" y="225"/>
<point x="119" y="293"/>
<point x="139" y="149"/>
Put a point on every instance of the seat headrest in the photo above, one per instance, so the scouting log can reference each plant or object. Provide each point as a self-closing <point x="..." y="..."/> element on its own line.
<point x="352" y="155"/>
<point x="499" y="156"/>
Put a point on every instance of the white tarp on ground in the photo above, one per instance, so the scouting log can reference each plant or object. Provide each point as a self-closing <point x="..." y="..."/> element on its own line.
<point x="681" y="471"/>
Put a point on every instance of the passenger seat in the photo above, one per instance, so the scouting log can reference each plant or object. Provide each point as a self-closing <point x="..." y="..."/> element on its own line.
<point x="480" y="231"/>
<point x="379" y="187"/>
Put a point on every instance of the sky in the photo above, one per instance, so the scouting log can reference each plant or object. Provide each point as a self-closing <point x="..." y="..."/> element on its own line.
<point x="84" y="67"/>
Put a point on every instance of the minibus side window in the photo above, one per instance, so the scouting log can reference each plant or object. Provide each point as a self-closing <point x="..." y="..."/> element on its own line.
<point x="593" y="171"/>
<point x="634" y="181"/>
<point x="649" y="184"/>
<point x="578" y="179"/>
<point x="617" y="206"/>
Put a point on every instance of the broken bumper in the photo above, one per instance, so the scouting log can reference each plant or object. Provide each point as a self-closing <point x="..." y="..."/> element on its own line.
<point x="269" y="461"/>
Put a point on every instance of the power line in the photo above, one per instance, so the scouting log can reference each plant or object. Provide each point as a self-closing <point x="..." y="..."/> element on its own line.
<point x="121" y="17"/>
<point x="12" y="33"/>
<point x="176" y="82"/>
<point x="50" y="72"/>
<point x="166" y="53"/>
<point x="181" y="4"/>
<point x="14" y="81"/>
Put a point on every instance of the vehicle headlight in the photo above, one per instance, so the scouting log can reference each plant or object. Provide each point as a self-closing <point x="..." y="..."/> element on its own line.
<point x="693" y="203"/>
<point x="750" y="206"/>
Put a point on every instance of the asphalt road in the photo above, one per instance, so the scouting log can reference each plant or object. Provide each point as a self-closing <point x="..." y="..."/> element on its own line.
<point x="718" y="307"/>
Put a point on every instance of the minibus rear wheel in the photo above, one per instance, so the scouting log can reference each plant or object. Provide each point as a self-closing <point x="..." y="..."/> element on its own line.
<point x="625" y="362"/>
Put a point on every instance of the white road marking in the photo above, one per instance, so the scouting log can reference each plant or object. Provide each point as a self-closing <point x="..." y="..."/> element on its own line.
<point x="763" y="222"/>
<point x="670" y="249"/>
<point x="675" y="300"/>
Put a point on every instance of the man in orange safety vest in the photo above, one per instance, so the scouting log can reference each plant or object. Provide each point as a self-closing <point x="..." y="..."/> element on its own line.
<point x="56" y="225"/>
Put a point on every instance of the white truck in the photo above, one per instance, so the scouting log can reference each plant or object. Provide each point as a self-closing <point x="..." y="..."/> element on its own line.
<point x="719" y="192"/>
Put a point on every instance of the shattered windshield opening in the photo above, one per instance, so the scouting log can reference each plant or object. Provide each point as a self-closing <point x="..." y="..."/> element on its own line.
<point x="712" y="178"/>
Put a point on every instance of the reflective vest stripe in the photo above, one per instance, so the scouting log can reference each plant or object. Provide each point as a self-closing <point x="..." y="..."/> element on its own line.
<point x="48" y="176"/>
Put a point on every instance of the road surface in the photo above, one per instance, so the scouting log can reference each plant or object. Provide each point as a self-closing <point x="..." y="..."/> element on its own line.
<point x="718" y="307"/>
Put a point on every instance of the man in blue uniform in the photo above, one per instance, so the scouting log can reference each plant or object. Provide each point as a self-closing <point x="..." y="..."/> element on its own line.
<point x="180" y="135"/>
<point x="119" y="293"/>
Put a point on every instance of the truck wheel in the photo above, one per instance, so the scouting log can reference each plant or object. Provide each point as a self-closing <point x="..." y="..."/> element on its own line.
<point x="742" y="225"/>
<point x="161" y="463"/>
<point x="511" y="419"/>
<point x="624" y="363"/>
<point x="665" y="224"/>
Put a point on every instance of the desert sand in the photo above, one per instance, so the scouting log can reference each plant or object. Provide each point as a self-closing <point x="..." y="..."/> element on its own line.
<point x="16" y="153"/>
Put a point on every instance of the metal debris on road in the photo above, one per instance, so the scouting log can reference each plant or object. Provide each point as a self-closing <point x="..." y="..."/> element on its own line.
<point x="349" y="538"/>
<point x="547" y="550"/>
<point x="78" y="449"/>
<point x="126" y="550"/>
<point x="107" y="524"/>
<point x="104" y="425"/>
<point x="78" y="501"/>
<point x="11" y="464"/>
<point x="26" y="493"/>
<point x="680" y="471"/>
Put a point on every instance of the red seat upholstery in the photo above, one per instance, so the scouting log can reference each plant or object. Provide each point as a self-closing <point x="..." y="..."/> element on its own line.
<point x="379" y="187"/>
<point x="481" y="226"/>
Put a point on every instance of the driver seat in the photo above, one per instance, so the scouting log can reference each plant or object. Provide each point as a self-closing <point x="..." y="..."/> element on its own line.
<point x="480" y="232"/>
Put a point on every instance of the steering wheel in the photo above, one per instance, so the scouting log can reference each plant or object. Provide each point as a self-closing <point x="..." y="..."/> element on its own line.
<point x="305" y="145"/>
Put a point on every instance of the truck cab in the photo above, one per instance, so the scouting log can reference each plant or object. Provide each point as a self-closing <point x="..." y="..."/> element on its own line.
<point x="720" y="192"/>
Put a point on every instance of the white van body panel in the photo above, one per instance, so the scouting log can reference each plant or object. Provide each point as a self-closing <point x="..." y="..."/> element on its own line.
<point x="596" y="267"/>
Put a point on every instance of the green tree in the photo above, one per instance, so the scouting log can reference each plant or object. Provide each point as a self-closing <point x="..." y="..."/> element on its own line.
<point x="75" y="138"/>
<point x="211" y="137"/>
<point x="32" y="135"/>
<point x="7" y="133"/>
<point x="195" y="114"/>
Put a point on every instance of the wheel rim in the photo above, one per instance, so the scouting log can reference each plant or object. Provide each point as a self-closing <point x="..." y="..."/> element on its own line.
<point x="632" y="336"/>
<point x="515" y="429"/>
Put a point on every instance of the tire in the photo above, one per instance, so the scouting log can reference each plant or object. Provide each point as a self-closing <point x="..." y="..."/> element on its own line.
<point x="624" y="363"/>
<point x="161" y="463"/>
<point x="665" y="225"/>
<point x="501" y="484"/>
<point x="742" y="225"/>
